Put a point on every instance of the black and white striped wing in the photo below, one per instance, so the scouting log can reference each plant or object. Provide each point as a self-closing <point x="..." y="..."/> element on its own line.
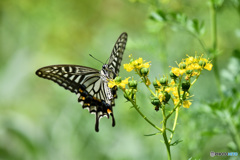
<point x="116" y="56"/>
<point x="86" y="82"/>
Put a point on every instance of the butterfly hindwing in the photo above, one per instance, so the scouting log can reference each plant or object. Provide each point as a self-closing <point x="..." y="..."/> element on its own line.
<point x="90" y="84"/>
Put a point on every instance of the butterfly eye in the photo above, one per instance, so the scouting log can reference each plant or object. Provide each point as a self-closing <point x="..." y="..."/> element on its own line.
<point x="104" y="66"/>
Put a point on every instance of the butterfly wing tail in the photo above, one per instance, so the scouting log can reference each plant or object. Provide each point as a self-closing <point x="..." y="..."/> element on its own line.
<point x="99" y="116"/>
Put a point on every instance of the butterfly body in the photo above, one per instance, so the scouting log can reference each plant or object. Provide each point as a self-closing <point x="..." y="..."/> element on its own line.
<point x="91" y="85"/>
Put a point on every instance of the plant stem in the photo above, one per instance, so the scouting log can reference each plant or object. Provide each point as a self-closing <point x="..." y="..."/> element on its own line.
<point x="144" y="117"/>
<point x="214" y="46"/>
<point x="233" y="130"/>
<point x="151" y="91"/>
<point x="174" y="125"/>
<point x="173" y="110"/>
<point x="165" y="133"/>
<point x="199" y="40"/>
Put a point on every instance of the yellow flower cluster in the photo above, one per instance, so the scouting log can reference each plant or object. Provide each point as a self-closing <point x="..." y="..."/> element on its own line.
<point x="192" y="65"/>
<point x="118" y="82"/>
<point x="176" y="99"/>
<point x="172" y="88"/>
<point x="136" y="64"/>
<point x="177" y="90"/>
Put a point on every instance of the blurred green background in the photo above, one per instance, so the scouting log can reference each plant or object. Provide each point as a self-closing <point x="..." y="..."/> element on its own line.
<point x="40" y="120"/>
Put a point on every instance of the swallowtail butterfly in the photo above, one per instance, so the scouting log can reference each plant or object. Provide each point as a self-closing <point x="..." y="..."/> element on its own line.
<point x="91" y="85"/>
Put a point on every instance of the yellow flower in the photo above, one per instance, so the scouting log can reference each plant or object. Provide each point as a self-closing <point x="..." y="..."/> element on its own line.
<point x="128" y="67"/>
<point x="136" y="64"/>
<point x="186" y="104"/>
<point x="175" y="71"/>
<point x="190" y="60"/>
<point x="195" y="73"/>
<point x="122" y="83"/>
<point x="111" y="83"/>
<point x="168" y="89"/>
<point x="160" y="90"/>
<point x="203" y="59"/>
<point x="195" y="66"/>
<point x="159" y="84"/>
<point x="178" y="71"/>
<point x="175" y="101"/>
<point x="145" y="65"/>
<point x="175" y="91"/>
<point x="160" y="96"/>
<point x="148" y="83"/>
<point x="208" y="66"/>
<point x="172" y="83"/>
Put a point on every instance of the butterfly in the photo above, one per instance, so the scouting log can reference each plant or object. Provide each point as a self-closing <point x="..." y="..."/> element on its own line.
<point x="91" y="85"/>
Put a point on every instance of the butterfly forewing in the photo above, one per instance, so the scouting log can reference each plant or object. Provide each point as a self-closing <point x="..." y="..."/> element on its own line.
<point x="117" y="53"/>
<point x="90" y="84"/>
<point x="71" y="77"/>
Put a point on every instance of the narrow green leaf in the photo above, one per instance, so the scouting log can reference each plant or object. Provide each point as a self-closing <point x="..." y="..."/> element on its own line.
<point x="153" y="134"/>
<point x="176" y="142"/>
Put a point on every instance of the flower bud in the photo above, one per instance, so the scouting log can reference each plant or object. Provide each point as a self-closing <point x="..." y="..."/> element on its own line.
<point x="164" y="81"/>
<point x="155" y="84"/>
<point x="155" y="101"/>
<point x="144" y="71"/>
<point x="185" y="86"/>
<point x="127" y="93"/>
<point x="167" y="96"/>
<point x="172" y="75"/>
<point x="202" y="63"/>
<point x="182" y="66"/>
<point x="189" y="71"/>
<point x="118" y="79"/>
<point x="132" y="84"/>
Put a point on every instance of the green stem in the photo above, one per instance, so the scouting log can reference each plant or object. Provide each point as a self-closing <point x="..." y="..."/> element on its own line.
<point x="195" y="79"/>
<point x="179" y="86"/>
<point x="173" y="110"/>
<point x="174" y="125"/>
<point x="233" y="130"/>
<point x="144" y="80"/>
<point x="214" y="25"/>
<point x="199" y="40"/>
<point x="143" y="116"/>
<point x="214" y="47"/>
<point x="165" y="133"/>
<point x="151" y="91"/>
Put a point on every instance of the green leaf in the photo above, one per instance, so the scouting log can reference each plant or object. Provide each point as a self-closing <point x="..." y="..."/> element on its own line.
<point x="153" y="134"/>
<point x="197" y="27"/>
<point x="22" y="137"/>
<point x="217" y="3"/>
<point x="236" y="107"/>
<point x="232" y="146"/>
<point x="181" y="18"/>
<point x="236" y="54"/>
<point x="158" y="16"/>
<point x="176" y="142"/>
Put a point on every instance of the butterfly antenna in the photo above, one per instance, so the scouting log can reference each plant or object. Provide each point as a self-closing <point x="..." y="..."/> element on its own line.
<point x="96" y="59"/>
<point x="107" y="60"/>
